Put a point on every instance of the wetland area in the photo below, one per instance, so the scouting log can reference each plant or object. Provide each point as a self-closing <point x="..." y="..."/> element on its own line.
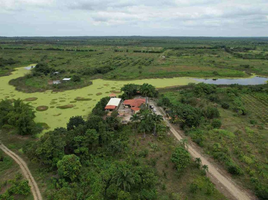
<point x="56" y="108"/>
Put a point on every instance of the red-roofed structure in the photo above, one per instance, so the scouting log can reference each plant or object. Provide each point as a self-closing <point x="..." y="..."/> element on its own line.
<point x="134" y="104"/>
<point x="109" y="107"/>
<point x="112" y="95"/>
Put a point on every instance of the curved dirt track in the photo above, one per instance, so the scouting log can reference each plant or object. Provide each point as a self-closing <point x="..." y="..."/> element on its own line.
<point x="221" y="179"/>
<point x="25" y="171"/>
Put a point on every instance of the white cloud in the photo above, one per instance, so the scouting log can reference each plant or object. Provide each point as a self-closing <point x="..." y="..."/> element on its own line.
<point x="107" y="17"/>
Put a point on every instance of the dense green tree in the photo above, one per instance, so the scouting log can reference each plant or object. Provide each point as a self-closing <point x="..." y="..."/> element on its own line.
<point x="148" y="90"/>
<point x="75" y="122"/>
<point x="99" y="109"/>
<point x="18" y="115"/>
<point x="49" y="149"/>
<point x="186" y="115"/>
<point x="130" y="90"/>
<point x="6" y="107"/>
<point x="69" y="167"/>
<point x="76" y="78"/>
<point x="181" y="158"/>
<point x="41" y="69"/>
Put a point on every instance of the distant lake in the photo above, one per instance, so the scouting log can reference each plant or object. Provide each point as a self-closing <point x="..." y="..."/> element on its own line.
<point x="241" y="81"/>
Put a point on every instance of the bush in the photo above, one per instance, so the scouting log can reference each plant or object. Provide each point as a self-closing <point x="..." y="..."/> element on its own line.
<point x="193" y="188"/>
<point x="262" y="192"/>
<point x="234" y="169"/>
<point x="211" y="113"/>
<point x="225" y="105"/>
<point x="204" y="89"/>
<point x="216" y="123"/>
<point x="76" y="78"/>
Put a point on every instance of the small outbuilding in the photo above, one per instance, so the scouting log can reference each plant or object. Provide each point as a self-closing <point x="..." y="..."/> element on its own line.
<point x="66" y="79"/>
<point x="113" y="104"/>
<point x="112" y="95"/>
<point x="56" y="82"/>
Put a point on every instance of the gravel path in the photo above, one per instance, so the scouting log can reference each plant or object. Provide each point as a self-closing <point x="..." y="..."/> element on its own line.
<point x="25" y="171"/>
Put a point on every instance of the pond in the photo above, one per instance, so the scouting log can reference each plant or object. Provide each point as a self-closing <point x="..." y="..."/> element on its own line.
<point x="255" y="80"/>
<point x="56" y="108"/>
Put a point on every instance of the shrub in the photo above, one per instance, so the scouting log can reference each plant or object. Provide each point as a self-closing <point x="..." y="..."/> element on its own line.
<point x="193" y="188"/>
<point x="262" y="192"/>
<point x="216" y="123"/>
<point x="234" y="169"/>
<point x="225" y="105"/>
<point x="76" y="78"/>
<point x="211" y="112"/>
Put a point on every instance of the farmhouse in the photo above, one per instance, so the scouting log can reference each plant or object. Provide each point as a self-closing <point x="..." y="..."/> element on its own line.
<point x="113" y="104"/>
<point x="134" y="104"/>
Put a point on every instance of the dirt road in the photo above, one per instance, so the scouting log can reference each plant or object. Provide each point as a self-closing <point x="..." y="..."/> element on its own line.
<point x="25" y="171"/>
<point x="220" y="178"/>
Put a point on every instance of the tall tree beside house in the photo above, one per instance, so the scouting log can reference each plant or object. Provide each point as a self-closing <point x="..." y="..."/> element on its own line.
<point x="135" y="118"/>
<point x="129" y="90"/>
<point x="148" y="90"/>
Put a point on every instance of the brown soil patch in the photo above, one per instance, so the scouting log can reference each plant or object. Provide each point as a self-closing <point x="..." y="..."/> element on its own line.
<point x="31" y="99"/>
<point x="82" y="99"/>
<point x="41" y="108"/>
<point x="66" y="106"/>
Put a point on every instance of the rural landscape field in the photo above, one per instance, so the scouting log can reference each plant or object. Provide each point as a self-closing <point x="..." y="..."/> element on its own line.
<point x="190" y="123"/>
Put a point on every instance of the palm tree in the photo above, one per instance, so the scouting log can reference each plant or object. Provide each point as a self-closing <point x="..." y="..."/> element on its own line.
<point x="184" y="143"/>
<point x="144" y="128"/>
<point x="125" y="179"/>
<point x="205" y="168"/>
<point x="135" y="118"/>
<point x="156" y="120"/>
<point x="198" y="162"/>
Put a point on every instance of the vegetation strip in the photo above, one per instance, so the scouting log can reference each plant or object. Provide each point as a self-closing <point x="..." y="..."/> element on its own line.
<point x="25" y="171"/>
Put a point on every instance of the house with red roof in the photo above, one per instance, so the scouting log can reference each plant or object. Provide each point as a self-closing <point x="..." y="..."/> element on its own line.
<point x="134" y="104"/>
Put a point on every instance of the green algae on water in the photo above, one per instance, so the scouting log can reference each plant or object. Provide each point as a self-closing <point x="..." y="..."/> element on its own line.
<point x="51" y="98"/>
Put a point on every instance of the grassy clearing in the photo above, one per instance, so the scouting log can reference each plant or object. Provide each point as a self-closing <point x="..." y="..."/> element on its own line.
<point x="157" y="153"/>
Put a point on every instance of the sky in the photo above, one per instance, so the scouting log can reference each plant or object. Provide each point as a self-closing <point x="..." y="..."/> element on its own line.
<point x="224" y="18"/>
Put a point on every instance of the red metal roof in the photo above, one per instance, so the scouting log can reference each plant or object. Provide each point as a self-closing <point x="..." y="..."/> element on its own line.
<point x="110" y="107"/>
<point x="135" y="108"/>
<point x="134" y="102"/>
